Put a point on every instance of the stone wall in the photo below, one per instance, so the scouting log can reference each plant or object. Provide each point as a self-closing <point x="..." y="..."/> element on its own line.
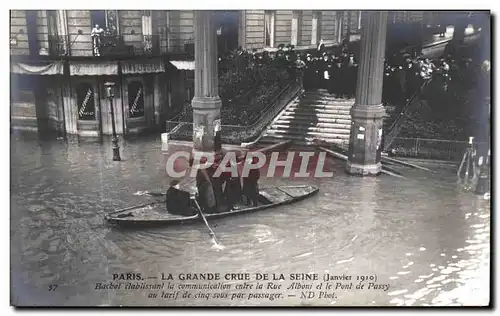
<point x="254" y="29"/>
<point x="130" y="25"/>
<point x="181" y="29"/>
<point x="79" y="20"/>
<point x="18" y="33"/>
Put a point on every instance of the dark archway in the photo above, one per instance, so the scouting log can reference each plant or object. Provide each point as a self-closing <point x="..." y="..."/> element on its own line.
<point x="227" y="25"/>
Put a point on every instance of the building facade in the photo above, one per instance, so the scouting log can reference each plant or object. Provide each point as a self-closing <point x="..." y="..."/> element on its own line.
<point x="61" y="59"/>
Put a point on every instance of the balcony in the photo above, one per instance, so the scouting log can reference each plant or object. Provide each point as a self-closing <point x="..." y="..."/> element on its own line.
<point x="108" y="45"/>
<point x="114" y="45"/>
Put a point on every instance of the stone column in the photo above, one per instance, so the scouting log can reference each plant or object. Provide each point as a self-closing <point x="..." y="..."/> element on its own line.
<point x="367" y="113"/>
<point x="206" y="102"/>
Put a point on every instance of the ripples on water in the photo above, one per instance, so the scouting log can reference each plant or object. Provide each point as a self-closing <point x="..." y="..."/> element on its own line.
<point x="421" y="235"/>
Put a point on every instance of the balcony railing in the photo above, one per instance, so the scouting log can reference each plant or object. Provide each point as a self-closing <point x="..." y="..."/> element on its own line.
<point x="110" y="45"/>
<point x="107" y="45"/>
<point x="113" y="45"/>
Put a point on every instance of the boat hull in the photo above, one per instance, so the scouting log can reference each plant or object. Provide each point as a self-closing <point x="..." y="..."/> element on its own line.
<point x="155" y="214"/>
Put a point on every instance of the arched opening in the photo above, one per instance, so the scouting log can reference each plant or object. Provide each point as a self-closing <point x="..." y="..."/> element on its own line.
<point x="85" y="102"/>
<point x="227" y="25"/>
<point x="135" y="99"/>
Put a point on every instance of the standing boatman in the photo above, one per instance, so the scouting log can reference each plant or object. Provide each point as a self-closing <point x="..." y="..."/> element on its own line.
<point x="251" y="185"/>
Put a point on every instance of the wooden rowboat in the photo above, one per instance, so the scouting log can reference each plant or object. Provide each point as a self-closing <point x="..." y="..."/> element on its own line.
<point x="156" y="214"/>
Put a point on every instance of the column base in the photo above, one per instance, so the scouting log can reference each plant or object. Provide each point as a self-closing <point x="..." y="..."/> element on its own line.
<point x="365" y="140"/>
<point x="206" y="119"/>
<point x="363" y="170"/>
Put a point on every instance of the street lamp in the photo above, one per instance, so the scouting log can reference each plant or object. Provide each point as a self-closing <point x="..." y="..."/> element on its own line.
<point x="110" y="93"/>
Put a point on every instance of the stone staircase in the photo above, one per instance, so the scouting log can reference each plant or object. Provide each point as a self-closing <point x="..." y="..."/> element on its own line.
<point x="313" y="116"/>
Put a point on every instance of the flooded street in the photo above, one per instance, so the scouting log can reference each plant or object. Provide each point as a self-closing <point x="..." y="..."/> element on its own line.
<point x="422" y="236"/>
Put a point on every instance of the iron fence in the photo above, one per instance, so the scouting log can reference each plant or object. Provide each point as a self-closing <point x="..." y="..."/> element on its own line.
<point x="430" y="148"/>
<point x="241" y="133"/>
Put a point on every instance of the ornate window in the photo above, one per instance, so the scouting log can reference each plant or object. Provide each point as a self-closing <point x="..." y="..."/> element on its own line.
<point x="85" y="102"/>
<point x="136" y="99"/>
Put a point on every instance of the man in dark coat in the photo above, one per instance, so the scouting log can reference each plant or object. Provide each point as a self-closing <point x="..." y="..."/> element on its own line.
<point x="331" y="74"/>
<point x="337" y="76"/>
<point x="233" y="191"/>
<point x="325" y="71"/>
<point x="251" y="185"/>
<point x="309" y="72"/>
<point x="179" y="201"/>
<point x="352" y="75"/>
<point x="217" y="184"/>
<point x="318" y="73"/>
<point x="410" y="78"/>
<point x="206" y="196"/>
<point x="344" y="75"/>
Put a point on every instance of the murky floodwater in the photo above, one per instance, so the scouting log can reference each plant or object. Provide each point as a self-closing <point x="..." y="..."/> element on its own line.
<point x="422" y="236"/>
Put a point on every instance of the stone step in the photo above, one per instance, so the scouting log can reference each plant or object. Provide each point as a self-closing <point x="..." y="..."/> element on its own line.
<point x="311" y="109"/>
<point x="341" y="115"/>
<point x="321" y="93"/>
<point x="288" y="123"/>
<point x="299" y="140"/>
<point x="308" y="130"/>
<point x="308" y="134"/>
<point x="318" y="105"/>
<point x="342" y="119"/>
<point x="324" y="99"/>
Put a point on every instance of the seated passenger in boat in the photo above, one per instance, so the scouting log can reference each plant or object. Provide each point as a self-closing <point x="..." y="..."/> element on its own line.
<point x="251" y="185"/>
<point x="179" y="201"/>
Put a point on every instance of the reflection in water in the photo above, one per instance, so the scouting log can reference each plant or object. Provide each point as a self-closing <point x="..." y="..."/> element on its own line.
<point x="423" y="237"/>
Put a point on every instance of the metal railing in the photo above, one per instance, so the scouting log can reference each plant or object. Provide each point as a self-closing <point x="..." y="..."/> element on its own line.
<point x="439" y="149"/>
<point x="242" y="133"/>
<point x="107" y="45"/>
<point x="398" y="123"/>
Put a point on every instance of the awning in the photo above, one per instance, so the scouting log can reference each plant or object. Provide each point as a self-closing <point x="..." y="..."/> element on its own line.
<point x="183" y="64"/>
<point x="93" y="68"/>
<point x="55" y="68"/>
<point x="142" y="67"/>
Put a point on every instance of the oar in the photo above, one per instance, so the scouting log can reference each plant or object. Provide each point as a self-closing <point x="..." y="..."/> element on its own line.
<point x="212" y="233"/>
<point x="156" y="194"/>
